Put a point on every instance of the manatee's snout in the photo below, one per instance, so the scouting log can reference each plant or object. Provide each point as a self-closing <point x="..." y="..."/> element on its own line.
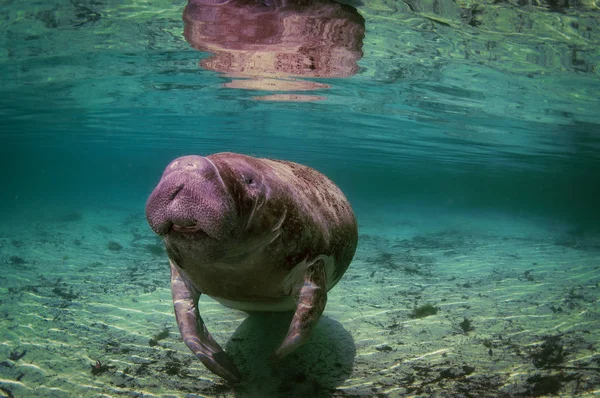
<point x="191" y="197"/>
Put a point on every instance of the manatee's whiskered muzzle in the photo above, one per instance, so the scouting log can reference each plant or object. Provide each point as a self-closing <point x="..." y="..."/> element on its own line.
<point x="191" y="199"/>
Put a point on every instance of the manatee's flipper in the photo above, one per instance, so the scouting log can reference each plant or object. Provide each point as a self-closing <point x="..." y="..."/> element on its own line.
<point x="194" y="332"/>
<point x="311" y="303"/>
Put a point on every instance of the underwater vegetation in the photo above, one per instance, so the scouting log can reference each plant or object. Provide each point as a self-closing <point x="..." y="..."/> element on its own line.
<point x="70" y="217"/>
<point x="16" y="260"/>
<point x="57" y="288"/>
<point x="416" y="256"/>
<point x="16" y="355"/>
<point x="466" y="325"/>
<point x="98" y="368"/>
<point x="550" y="352"/>
<point x="404" y="262"/>
<point x="450" y="240"/>
<point x="114" y="246"/>
<point x="579" y="239"/>
<point x="163" y="334"/>
<point x="424" y="311"/>
<point x="541" y="385"/>
<point x="63" y="293"/>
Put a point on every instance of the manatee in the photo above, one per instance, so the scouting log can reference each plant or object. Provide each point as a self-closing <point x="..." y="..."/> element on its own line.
<point x="255" y="235"/>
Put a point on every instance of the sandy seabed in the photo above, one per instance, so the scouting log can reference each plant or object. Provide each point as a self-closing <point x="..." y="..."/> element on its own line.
<point x="435" y="304"/>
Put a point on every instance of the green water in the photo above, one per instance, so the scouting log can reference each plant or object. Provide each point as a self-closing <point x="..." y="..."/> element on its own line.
<point x="466" y="137"/>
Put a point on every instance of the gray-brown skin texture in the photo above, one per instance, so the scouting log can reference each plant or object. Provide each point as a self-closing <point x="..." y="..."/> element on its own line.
<point x="255" y="234"/>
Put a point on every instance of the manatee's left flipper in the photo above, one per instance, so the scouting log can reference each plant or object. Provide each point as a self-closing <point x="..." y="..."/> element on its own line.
<point x="194" y="332"/>
<point x="311" y="303"/>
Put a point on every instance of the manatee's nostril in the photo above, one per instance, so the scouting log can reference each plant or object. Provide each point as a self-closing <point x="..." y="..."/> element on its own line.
<point x="191" y="166"/>
<point x="177" y="190"/>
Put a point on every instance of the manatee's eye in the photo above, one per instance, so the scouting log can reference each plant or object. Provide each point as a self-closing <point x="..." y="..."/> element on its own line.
<point x="249" y="180"/>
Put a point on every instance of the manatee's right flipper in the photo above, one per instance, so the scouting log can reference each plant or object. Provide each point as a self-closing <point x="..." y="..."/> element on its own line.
<point x="193" y="331"/>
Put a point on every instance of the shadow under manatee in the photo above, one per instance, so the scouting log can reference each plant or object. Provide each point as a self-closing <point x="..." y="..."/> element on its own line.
<point x="314" y="370"/>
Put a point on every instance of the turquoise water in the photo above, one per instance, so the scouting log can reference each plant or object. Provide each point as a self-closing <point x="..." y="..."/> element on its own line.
<point x="465" y="134"/>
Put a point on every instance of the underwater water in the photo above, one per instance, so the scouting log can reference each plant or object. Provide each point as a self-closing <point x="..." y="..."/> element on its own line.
<point x="466" y="135"/>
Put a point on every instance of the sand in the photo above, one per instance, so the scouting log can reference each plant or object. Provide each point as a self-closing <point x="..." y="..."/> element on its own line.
<point x="86" y="312"/>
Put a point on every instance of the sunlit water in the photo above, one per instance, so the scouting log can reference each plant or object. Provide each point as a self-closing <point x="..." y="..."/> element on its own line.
<point x="467" y="140"/>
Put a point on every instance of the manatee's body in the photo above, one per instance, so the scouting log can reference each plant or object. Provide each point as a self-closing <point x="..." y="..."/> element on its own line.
<point x="254" y="234"/>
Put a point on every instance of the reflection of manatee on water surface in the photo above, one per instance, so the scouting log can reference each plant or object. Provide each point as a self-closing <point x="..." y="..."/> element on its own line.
<point x="269" y="45"/>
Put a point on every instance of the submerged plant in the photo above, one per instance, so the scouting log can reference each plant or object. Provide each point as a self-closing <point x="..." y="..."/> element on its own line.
<point x="98" y="368"/>
<point x="16" y="355"/>
<point x="550" y="353"/>
<point x="466" y="325"/>
<point x="424" y="311"/>
<point x="163" y="334"/>
<point x="114" y="246"/>
<point x="16" y="260"/>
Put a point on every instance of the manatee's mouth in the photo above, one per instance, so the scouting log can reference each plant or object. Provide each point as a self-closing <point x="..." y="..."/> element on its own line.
<point x="190" y="228"/>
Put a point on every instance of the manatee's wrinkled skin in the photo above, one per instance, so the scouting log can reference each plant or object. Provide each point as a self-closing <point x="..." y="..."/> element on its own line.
<point x="254" y="234"/>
